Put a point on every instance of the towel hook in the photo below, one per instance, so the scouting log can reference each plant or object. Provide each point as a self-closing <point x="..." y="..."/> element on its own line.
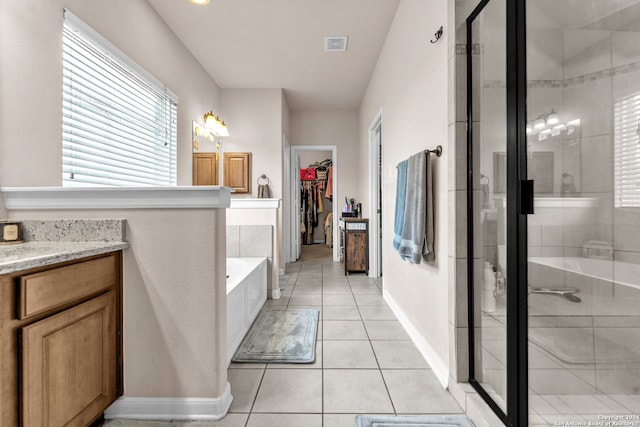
<point x="438" y="34"/>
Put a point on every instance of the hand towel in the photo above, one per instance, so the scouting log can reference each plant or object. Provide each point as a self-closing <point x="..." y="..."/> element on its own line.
<point x="401" y="195"/>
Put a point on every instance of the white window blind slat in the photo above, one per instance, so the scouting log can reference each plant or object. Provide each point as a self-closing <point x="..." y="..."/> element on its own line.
<point x="119" y="122"/>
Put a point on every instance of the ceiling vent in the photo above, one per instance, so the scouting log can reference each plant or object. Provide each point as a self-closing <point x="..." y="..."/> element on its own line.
<point x="335" y="44"/>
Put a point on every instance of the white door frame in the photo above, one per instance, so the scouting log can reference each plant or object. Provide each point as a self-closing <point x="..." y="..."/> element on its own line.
<point x="286" y="149"/>
<point x="295" y="170"/>
<point x="375" y="249"/>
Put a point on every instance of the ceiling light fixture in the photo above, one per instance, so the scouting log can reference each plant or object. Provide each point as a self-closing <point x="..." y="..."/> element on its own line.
<point x="199" y="2"/>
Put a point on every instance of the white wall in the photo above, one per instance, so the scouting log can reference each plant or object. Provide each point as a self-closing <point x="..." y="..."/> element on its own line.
<point x="31" y="79"/>
<point x="254" y="119"/>
<point x="334" y="127"/>
<point x="409" y="84"/>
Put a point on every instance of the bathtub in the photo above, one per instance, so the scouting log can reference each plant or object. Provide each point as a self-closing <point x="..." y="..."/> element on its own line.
<point x="616" y="272"/>
<point x="597" y="340"/>
<point x="246" y="294"/>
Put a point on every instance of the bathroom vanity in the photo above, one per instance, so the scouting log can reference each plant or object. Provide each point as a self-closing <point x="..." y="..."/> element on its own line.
<point x="60" y="332"/>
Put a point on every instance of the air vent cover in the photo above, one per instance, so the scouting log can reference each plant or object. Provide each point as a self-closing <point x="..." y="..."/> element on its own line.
<point x="335" y="44"/>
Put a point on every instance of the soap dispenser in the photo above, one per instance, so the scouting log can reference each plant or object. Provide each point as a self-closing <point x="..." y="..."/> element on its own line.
<point x="489" y="289"/>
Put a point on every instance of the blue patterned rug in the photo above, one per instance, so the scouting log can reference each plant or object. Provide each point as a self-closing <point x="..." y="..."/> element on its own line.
<point x="413" y="421"/>
<point x="280" y="336"/>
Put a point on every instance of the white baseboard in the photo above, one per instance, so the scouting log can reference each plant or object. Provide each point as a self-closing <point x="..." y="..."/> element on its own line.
<point x="439" y="368"/>
<point x="170" y="408"/>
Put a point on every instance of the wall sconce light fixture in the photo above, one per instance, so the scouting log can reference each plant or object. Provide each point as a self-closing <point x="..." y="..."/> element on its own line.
<point x="548" y="124"/>
<point x="215" y="126"/>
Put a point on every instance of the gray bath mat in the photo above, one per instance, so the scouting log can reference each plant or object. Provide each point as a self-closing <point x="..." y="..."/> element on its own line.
<point x="280" y="336"/>
<point x="413" y="421"/>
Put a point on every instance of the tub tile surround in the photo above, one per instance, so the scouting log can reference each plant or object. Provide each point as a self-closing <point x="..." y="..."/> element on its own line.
<point x="253" y="241"/>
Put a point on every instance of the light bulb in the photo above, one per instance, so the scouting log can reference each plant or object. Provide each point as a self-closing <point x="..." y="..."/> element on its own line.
<point x="552" y="118"/>
<point x="539" y="123"/>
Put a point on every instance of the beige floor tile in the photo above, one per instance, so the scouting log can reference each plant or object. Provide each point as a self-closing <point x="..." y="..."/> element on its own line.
<point x="306" y="290"/>
<point x="232" y="420"/>
<point x="419" y="392"/>
<point x="342" y="289"/>
<point x="349" y="354"/>
<point x="340" y="312"/>
<point x="244" y="386"/>
<point x="290" y="390"/>
<point x="376" y="312"/>
<point x="343" y="330"/>
<point x="365" y="290"/>
<point x="385" y="330"/>
<point x="336" y="299"/>
<point x="304" y="300"/>
<point x="355" y="391"/>
<point x="370" y="300"/>
<point x="285" y="420"/>
<point x="398" y="355"/>
<point x="339" y="420"/>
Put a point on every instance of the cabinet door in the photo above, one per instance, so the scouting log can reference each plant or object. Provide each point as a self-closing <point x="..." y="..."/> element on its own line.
<point x="69" y="365"/>
<point x="205" y="169"/>
<point x="356" y="251"/>
<point x="237" y="171"/>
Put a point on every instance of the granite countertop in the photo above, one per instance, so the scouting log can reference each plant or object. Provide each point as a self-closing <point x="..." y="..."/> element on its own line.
<point x="50" y="242"/>
<point x="23" y="256"/>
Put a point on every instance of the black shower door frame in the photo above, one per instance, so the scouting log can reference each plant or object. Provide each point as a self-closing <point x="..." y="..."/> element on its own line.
<point x="519" y="198"/>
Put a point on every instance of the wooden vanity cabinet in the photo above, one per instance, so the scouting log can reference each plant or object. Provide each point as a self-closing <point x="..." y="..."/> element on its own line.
<point x="237" y="172"/>
<point x="61" y="341"/>
<point x="205" y="169"/>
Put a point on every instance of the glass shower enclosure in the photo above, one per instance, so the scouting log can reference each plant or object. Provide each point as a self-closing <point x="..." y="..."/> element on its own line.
<point x="554" y="209"/>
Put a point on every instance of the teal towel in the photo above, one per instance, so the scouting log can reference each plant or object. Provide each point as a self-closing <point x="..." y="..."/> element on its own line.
<point x="401" y="196"/>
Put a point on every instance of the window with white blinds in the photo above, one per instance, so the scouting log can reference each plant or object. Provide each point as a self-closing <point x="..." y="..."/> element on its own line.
<point x="627" y="151"/>
<point x="118" y="121"/>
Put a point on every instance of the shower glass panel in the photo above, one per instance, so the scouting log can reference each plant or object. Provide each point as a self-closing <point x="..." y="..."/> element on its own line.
<point x="486" y="238"/>
<point x="583" y="149"/>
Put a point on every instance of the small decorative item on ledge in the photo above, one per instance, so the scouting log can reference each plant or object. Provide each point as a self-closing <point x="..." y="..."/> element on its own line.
<point x="10" y="232"/>
<point x="264" y="192"/>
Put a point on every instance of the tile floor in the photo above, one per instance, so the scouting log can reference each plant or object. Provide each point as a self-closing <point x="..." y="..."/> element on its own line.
<point x="365" y="362"/>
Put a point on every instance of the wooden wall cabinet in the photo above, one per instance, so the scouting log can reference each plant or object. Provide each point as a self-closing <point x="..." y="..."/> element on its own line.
<point x="61" y="342"/>
<point x="205" y="169"/>
<point x="237" y="171"/>
<point x="356" y="245"/>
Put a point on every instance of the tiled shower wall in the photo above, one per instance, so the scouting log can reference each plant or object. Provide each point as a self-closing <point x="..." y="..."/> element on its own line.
<point x="251" y="241"/>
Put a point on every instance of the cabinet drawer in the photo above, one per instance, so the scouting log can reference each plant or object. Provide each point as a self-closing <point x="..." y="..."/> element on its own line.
<point x="53" y="288"/>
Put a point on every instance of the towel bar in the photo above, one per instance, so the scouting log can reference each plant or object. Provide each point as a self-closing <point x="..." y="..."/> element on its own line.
<point x="437" y="151"/>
